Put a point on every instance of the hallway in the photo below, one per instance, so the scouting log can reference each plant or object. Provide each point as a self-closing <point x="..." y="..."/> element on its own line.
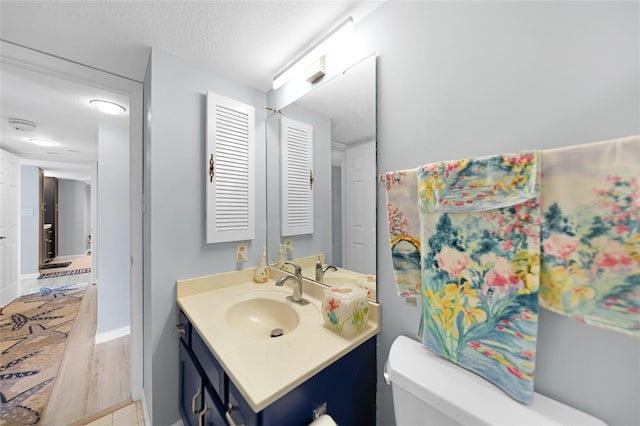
<point x="92" y="379"/>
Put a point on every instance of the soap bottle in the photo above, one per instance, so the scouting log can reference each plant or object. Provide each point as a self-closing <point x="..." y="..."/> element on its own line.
<point x="280" y="262"/>
<point x="262" y="274"/>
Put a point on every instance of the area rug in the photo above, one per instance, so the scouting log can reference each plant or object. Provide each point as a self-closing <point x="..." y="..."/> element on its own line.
<point x="56" y="265"/>
<point x="64" y="273"/>
<point x="33" y="336"/>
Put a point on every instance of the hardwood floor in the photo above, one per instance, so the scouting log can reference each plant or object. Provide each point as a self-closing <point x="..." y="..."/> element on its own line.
<point x="92" y="378"/>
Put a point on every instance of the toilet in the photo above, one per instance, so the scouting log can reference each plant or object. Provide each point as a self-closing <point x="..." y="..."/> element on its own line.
<point x="429" y="390"/>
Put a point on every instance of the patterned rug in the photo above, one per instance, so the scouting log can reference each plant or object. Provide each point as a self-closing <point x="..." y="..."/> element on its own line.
<point x="63" y="273"/>
<point x="33" y="336"/>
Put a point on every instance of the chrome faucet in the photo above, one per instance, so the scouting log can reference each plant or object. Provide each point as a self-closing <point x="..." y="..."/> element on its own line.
<point x="296" y="297"/>
<point x="320" y="270"/>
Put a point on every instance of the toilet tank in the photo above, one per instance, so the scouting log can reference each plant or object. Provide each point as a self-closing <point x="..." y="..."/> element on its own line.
<point x="429" y="390"/>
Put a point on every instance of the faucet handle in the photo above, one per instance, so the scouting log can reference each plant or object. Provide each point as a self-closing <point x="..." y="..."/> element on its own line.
<point x="298" y="269"/>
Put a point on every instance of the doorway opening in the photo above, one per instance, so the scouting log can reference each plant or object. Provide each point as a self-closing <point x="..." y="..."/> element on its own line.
<point x="108" y="198"/>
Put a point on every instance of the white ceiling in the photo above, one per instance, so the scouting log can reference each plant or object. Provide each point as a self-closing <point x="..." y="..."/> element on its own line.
<point x="249" y="41"/>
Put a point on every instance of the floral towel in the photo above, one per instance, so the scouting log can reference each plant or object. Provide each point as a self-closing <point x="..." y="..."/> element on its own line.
<point x="480" y="268"/>
<point x="591" y="233"/>
<point x="479" y="184"/>
<point x="404" y="230"/>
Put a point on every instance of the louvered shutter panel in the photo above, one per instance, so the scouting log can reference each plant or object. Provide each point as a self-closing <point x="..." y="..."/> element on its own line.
<point x="230" y="192"/>
<point x="296" y="145"/>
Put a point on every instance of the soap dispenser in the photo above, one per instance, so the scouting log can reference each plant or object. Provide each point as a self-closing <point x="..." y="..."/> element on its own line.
<point x="280" y="262"/>
<point x="262" y="274"/>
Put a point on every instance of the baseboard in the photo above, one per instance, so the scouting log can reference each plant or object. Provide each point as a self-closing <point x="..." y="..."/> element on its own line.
<point x="70" y="256"/>
<point x="145" y="410"/>
<point x="112" y="334"/>
<point x="30" y="276"/>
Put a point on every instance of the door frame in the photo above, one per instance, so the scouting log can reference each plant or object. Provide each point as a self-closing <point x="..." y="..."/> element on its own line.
<point x="39" y="61"/>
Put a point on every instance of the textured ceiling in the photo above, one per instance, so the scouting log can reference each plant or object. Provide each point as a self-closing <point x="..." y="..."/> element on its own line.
<point x="249" y="41"/>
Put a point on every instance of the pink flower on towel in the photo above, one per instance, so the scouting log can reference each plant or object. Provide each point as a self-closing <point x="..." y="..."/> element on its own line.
<point x="452" y="261"/>
<point x="560" y="245"/>
<point x="527" y="354"/>
<point x="613" y="255"/>
<point x="621" y="229"/>
<point x="501" y="278"/>
<point x="513" y="370"/>
<point x="507" y="245"/>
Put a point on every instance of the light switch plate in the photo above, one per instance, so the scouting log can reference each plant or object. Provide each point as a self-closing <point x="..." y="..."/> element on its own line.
<point x="241" y="252"/>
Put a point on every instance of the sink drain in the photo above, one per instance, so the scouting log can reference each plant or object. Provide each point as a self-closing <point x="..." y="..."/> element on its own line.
<point x="276" y="332"/>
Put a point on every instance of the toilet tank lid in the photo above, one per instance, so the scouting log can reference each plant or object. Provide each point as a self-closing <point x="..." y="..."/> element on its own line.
<point x="467" y="397"/>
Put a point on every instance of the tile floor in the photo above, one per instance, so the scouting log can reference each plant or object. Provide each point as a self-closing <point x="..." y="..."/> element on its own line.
<point x="131" y="415"/>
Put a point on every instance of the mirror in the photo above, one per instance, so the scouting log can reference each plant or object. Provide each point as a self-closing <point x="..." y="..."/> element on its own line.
<point x="342" y="114"/>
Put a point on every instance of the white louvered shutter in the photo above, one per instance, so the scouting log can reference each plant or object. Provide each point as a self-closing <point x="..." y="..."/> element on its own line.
<point x="296" y="153"/>
<point x="230" y="192"/>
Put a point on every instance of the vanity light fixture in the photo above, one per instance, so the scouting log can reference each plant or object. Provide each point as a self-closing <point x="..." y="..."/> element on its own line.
<point x="42" y="142"/>
<point x="107" y="106"/>
<point x="330" y="41"/>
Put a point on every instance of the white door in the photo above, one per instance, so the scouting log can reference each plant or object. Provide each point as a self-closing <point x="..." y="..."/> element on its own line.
<point x="9" y="178"/>
<point x="360" y="208"/>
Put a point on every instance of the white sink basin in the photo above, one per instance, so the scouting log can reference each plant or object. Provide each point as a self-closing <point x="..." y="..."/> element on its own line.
<point x="258" y="318"/>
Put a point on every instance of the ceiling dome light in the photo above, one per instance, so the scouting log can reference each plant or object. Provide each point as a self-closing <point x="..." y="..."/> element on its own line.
<point x="107" y="107"/>
<point x="42" y="142"/>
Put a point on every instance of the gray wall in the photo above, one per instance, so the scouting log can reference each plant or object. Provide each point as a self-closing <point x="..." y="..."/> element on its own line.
<point x="468" y="79"/>
<point x="72" y="217"/>
<point x="29" y="220"/>
<point x="175" y="178"/>
<point x="320" y="240"/>
<point x="112" y="240"/>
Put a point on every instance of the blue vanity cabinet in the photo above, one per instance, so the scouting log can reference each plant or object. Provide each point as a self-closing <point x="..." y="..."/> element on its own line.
<point x="191" y="388"/>
<point x="347" y="386"/>
<point x="212" y="410"/>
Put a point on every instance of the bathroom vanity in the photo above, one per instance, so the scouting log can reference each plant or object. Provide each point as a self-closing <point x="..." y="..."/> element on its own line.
<point x="233" y="372"/>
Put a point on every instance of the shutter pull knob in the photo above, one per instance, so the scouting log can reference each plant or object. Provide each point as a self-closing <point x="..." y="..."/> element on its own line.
<point x="211" y="169"/>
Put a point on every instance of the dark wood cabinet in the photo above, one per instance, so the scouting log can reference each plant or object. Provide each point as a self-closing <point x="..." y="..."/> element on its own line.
<point x="49" y="215"/>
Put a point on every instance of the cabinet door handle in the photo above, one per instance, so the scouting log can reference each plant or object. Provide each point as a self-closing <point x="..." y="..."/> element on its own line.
<point x="180" y="329"/>
<point x="201" y="415"/>
<point x="193" y="400"/>
<point x="229" y="418"/>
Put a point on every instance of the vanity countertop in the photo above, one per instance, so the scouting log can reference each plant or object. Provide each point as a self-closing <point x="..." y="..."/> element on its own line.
<point x="266" y="369"/>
